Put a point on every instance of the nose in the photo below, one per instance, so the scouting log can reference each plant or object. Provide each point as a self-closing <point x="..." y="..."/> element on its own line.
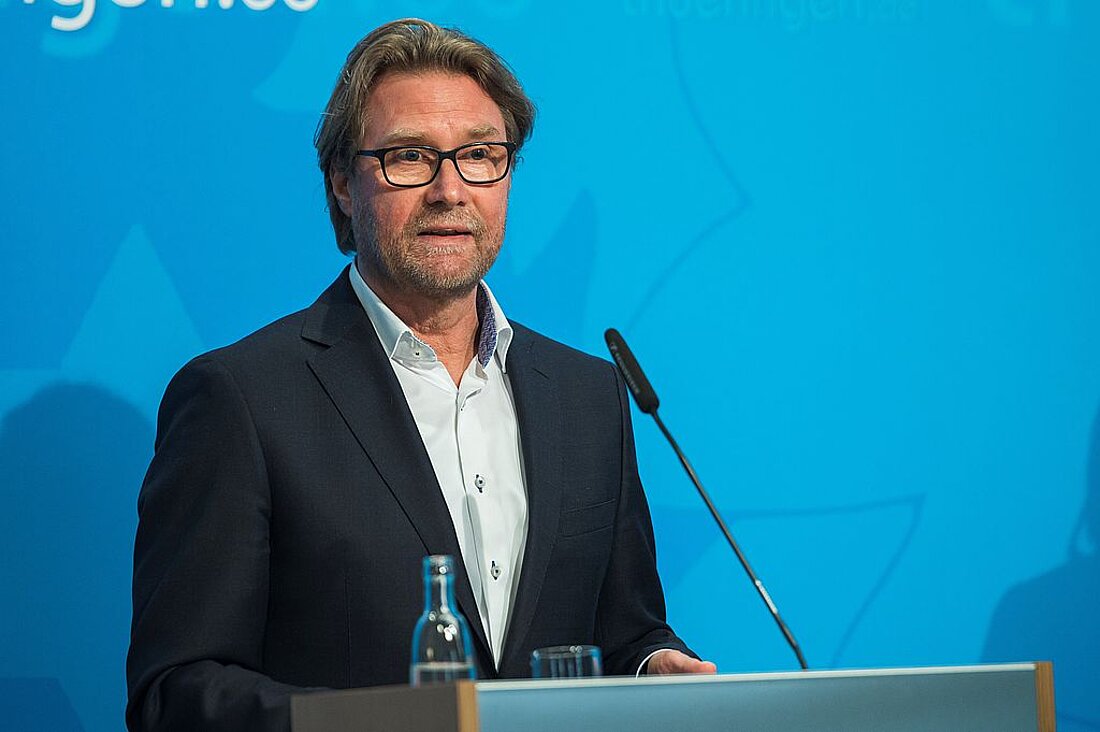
<point x="448" y="186"/>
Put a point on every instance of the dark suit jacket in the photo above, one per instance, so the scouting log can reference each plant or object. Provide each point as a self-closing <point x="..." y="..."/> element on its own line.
<point x="290" y="502"/>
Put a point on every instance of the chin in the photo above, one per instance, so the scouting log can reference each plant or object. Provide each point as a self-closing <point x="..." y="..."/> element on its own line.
<point x="447" y="274"/>
<point x="443" y="282"/>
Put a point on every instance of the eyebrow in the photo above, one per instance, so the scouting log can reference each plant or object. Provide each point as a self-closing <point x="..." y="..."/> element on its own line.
<point x="405" y="135"/>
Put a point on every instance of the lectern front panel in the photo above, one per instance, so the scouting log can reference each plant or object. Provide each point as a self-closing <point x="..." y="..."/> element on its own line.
<point x="977" y="699"/>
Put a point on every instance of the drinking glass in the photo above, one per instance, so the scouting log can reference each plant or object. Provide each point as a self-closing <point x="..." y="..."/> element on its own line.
<point x="566" y="662"/>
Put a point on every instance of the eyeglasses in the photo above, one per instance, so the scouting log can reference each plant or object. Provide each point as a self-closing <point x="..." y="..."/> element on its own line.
<point x="410" y="166"/>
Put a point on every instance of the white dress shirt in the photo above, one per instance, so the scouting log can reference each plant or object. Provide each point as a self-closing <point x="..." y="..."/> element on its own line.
<point x="472" y="438"/>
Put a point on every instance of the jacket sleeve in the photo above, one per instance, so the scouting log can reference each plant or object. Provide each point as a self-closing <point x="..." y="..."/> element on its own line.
<point x="201" y="554"/>
<point x="630" y="617"/>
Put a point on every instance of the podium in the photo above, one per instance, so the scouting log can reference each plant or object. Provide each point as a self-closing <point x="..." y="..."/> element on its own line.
<point x="993" y="698"/>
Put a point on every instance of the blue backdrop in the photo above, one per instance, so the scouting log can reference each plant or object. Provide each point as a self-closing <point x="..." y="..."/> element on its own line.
<point x="856" y="244"/>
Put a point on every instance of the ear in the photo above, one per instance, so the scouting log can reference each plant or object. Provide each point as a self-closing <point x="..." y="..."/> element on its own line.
<point x="339" y="182"/>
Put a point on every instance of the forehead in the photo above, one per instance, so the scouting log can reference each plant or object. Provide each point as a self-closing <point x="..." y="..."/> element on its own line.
<point x="435" y="108"/>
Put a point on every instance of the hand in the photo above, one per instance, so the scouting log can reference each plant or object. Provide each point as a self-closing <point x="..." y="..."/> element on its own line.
<point x="674" y="662"/>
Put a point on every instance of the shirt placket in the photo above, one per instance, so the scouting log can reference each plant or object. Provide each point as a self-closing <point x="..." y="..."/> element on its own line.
<point x="494" y="537"/>
<point x="476" y="479"/>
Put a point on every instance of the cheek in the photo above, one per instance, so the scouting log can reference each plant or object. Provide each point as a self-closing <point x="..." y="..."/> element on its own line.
<point x="392" y="213"/>
<point x="496" y="209"/>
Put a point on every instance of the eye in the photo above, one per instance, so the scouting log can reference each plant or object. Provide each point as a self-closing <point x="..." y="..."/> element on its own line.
<point x="475" y="154"/>
<point x="408" y="155"/>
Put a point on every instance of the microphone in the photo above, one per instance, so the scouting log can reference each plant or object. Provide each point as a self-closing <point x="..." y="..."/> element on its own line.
<point x="639" y="385"/>
<point x="647" y="401"/>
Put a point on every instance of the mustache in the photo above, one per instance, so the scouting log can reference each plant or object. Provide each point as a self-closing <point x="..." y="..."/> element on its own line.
<point x="451" y="218"/>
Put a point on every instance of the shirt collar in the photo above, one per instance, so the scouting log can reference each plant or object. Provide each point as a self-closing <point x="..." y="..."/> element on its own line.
<point x="400" y="343"/>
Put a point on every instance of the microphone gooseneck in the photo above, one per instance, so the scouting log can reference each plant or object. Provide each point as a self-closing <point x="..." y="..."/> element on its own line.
<point x="646" y="398"/>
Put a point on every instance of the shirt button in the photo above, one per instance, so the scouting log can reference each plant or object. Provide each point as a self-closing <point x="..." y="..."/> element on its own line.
<point x="495" y="571"/>
<point x="479" y="481"/>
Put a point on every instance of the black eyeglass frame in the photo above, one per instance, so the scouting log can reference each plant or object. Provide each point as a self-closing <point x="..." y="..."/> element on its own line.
<point x="381" y="153"/>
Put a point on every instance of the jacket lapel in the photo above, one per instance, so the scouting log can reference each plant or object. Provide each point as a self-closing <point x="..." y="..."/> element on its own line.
<point x="355" y="373"/>
<point x="540" y="424"/>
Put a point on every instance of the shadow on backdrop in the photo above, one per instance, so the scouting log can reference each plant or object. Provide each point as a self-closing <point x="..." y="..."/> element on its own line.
<point x="1053" y="616"/>
<point x="71" y="460"/>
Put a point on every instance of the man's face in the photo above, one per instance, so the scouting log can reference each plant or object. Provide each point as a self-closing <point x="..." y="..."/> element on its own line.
<point x="440" y="239"/>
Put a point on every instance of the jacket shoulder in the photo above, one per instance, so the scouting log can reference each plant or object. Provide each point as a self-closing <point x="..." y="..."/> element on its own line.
<point x="270" y="359"/>
<point x="275" y="340"/>
<point x="554" y="354"/>
<point x="296" y="336"/>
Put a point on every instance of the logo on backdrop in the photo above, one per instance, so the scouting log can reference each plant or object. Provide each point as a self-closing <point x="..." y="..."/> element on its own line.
<point x="1026" y="13"/>
<point x="798" y="15"/>
<point x="792" y="15"/>
<point x="85" y="9"/>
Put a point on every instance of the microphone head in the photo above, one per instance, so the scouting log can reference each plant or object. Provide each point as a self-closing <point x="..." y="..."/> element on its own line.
<point x="644" y="395"/>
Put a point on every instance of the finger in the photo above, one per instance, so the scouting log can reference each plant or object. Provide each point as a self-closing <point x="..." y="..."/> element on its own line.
<point x="680" y="663"/>
<point x="690" y="665"/>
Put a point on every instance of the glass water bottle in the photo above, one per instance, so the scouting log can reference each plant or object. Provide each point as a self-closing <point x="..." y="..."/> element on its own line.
<point x="441" y="639"/>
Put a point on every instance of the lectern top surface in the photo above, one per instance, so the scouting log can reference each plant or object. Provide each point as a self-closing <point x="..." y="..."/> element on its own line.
<point x="508" y="685"/>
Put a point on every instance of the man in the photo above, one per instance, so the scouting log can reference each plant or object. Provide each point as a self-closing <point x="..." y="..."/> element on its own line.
<point x="301" y="474"/>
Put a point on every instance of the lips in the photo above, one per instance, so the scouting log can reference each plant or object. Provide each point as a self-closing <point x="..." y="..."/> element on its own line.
<point x="450" y="225"/>
<point x="444" y="231"/>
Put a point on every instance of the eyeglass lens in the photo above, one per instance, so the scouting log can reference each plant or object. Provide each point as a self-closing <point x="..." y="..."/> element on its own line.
<point x="482" y="163"/>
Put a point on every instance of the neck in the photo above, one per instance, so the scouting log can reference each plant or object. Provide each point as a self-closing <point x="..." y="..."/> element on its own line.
<point x="448" y="323"/>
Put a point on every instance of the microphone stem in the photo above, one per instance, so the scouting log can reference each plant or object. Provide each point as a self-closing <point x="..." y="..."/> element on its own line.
<point x="733" y="544"/>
